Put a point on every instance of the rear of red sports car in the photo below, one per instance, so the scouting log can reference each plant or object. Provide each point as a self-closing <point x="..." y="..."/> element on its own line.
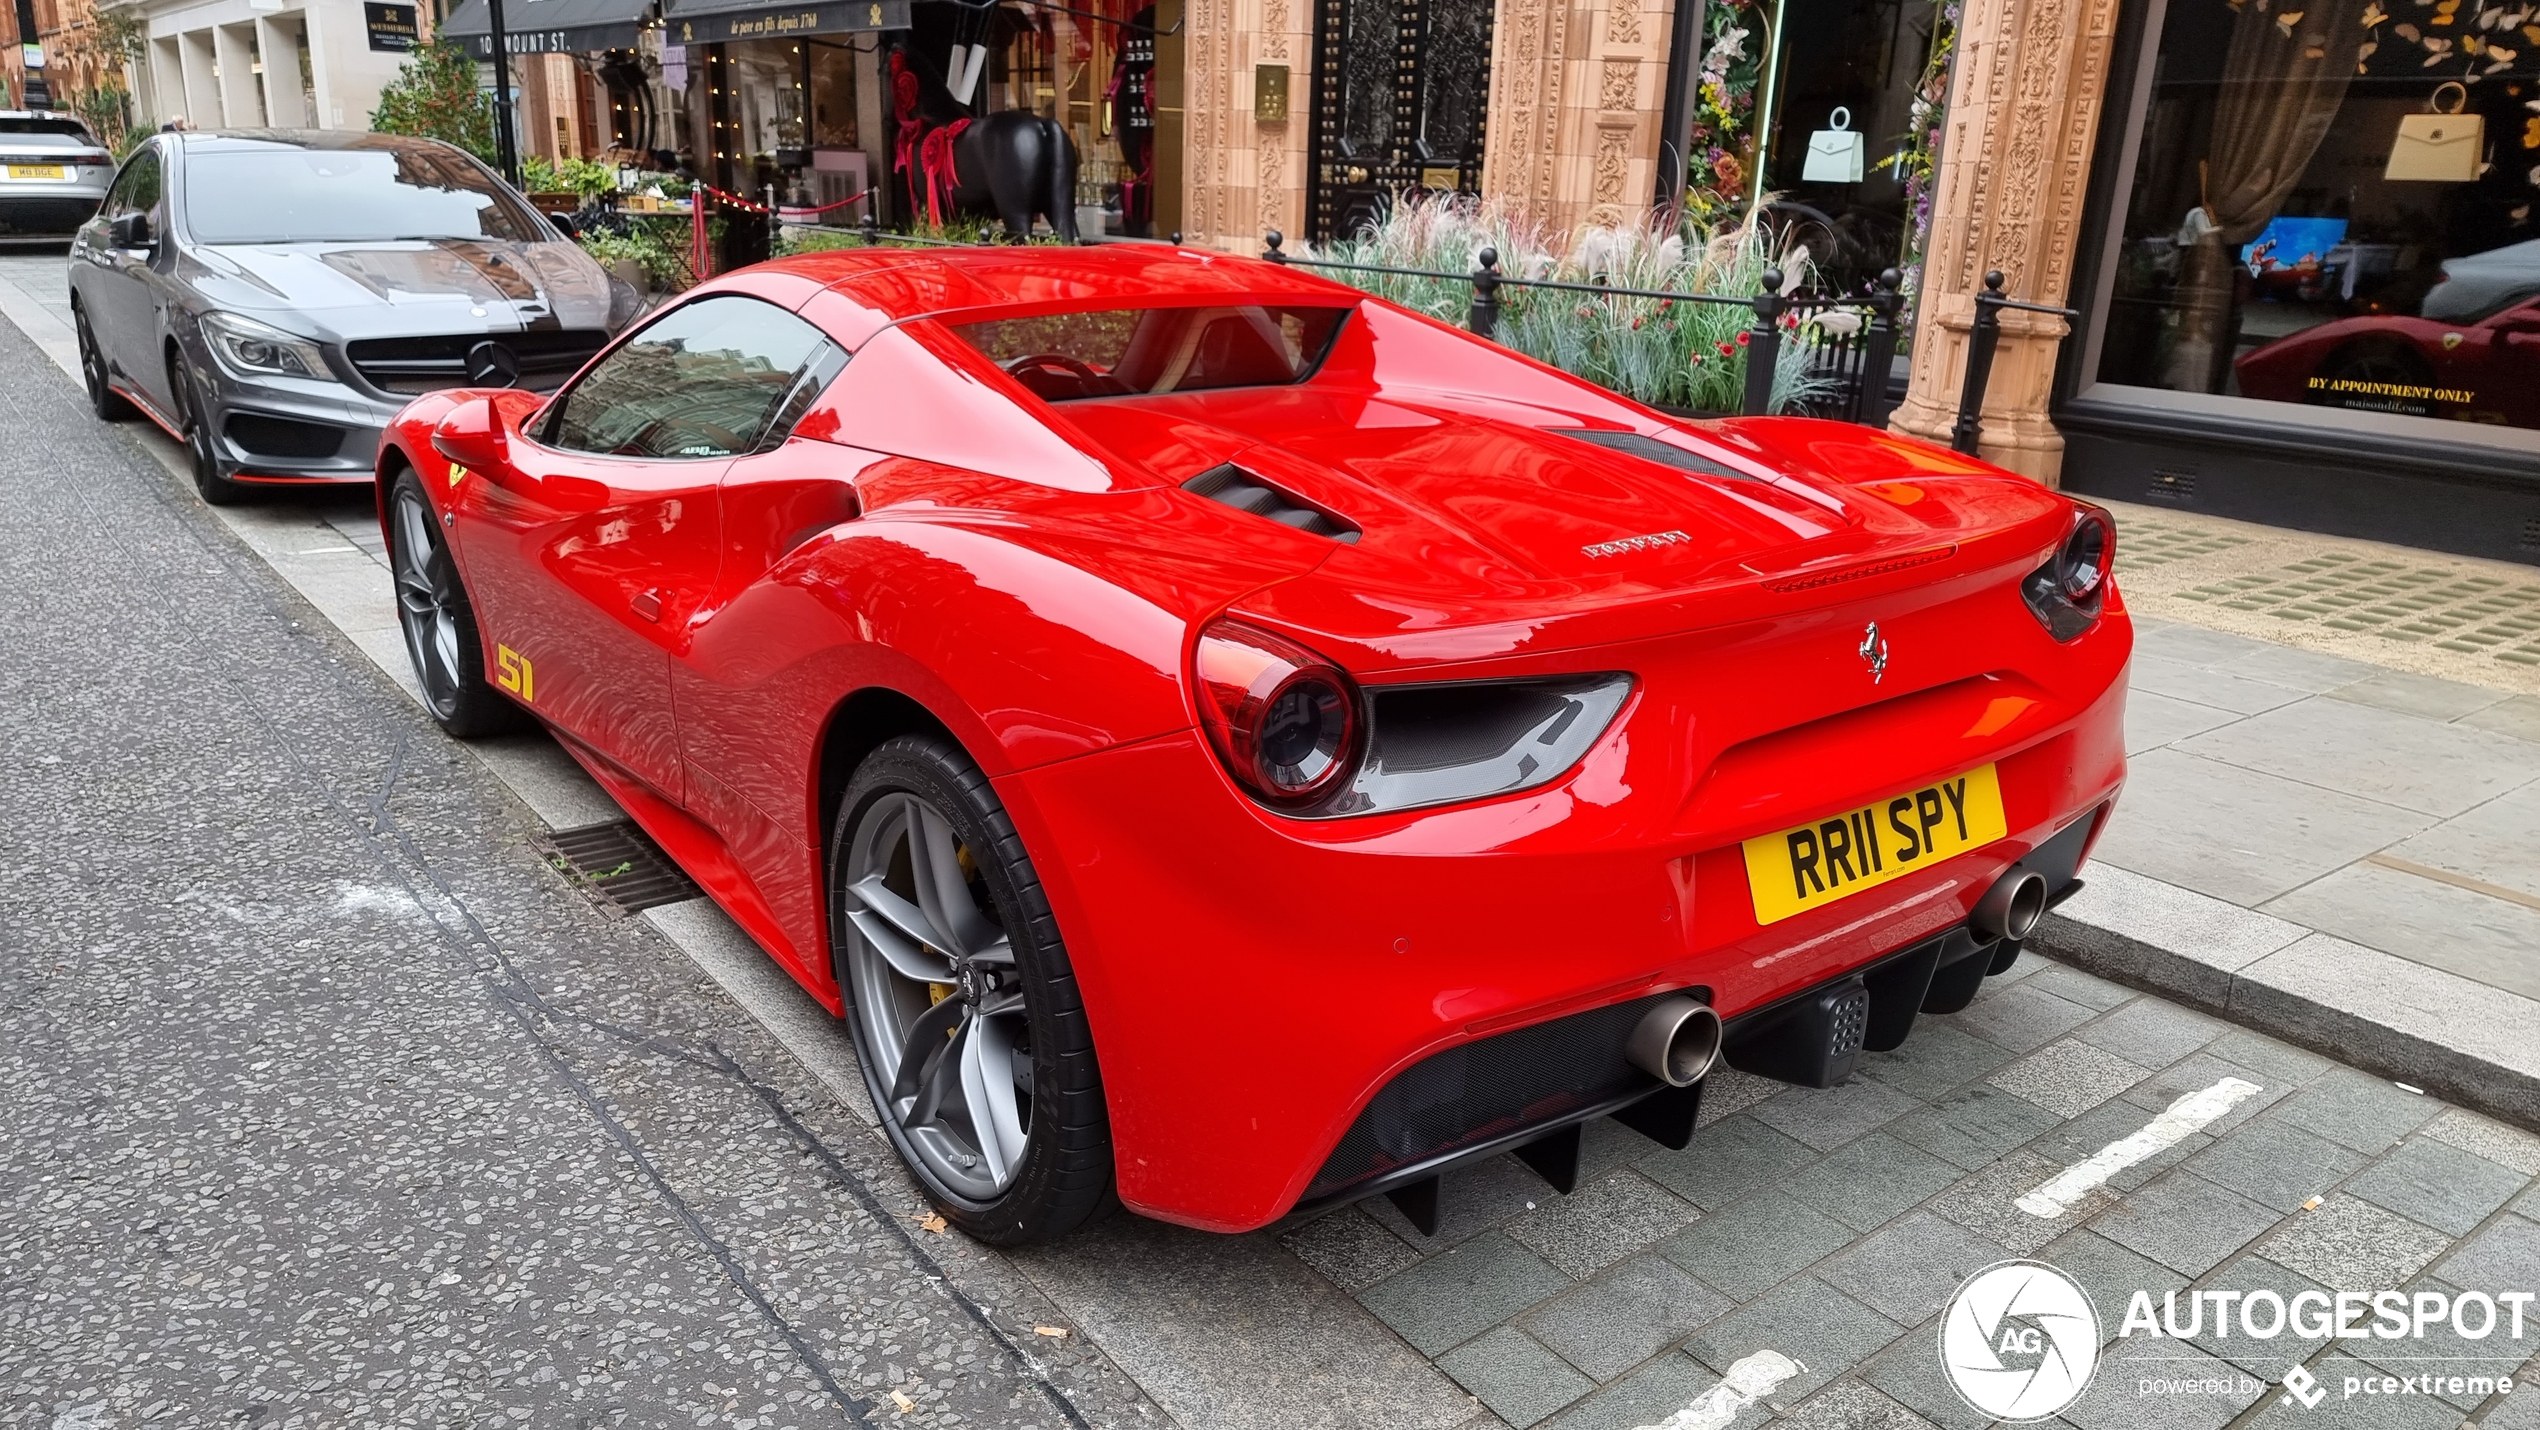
<point x="1571" y="715"/>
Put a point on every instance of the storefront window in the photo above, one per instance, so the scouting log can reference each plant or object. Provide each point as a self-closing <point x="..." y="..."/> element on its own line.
<point x="1853" y="91"/>
<point x="2333" y="207"/>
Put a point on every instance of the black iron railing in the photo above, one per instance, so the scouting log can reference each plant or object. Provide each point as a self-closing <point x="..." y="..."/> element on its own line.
<point x="1848" y="367"/>
<point x="1851" y="363"/>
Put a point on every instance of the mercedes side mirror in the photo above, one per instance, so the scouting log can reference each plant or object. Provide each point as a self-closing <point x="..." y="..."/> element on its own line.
<point x="473" y="436"/>
<point x="129" y="232"/>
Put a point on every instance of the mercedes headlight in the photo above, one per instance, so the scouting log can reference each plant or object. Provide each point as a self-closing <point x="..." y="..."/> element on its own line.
<point x="251" y="349"/>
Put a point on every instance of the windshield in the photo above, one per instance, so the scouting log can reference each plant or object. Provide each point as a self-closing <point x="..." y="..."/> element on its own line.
<point x="62" y="131"/>
<point x="1131" y="352"/>
<point x="348" y="196"/>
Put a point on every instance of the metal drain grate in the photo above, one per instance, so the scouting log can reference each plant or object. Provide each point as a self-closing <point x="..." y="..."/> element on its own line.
<point x="618" y="867"/>
<point x="2446" y="607"/>
<point x="2144" y="544"/>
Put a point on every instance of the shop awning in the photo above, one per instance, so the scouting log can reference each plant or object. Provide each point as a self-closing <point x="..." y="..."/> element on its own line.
<point x="549" y="27"/>
<point x="704" y="22"/>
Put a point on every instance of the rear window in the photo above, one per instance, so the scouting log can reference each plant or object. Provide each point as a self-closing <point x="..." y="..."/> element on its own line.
<point x="292" y="195"/>
<point x="1142" y="352"/>
<point x="49" y="133"/>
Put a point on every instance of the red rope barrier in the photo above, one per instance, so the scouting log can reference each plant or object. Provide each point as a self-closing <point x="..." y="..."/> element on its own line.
<point x="700" y="251"/>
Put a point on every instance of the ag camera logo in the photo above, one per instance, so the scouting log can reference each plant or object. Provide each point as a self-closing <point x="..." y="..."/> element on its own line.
<point x="2019" y="1341"/>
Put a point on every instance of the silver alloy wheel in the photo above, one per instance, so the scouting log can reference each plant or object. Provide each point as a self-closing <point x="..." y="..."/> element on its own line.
<point x="936" y="986"/>
<point x="421" y="570"/>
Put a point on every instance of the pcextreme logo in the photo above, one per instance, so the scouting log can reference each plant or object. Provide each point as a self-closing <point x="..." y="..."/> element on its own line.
<point x="512" y="672"/>
<point x="2019" y="1341"/>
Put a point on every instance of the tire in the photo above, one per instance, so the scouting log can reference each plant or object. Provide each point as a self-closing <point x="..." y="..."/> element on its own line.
<point x="1019" y="1045"/>
<point x="440" y="626"/>
<point x="108" y="404"/>
<point x="215" y="487"/>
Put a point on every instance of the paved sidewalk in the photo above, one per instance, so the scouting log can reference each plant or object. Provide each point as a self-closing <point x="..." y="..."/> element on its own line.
<point x="2340" y="853"/>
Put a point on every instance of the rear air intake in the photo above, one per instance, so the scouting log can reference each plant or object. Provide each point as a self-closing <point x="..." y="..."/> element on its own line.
<point x="1237" y="488"/>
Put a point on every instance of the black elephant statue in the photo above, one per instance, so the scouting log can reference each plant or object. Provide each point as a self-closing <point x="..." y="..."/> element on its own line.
<point x="1012" y="165"/>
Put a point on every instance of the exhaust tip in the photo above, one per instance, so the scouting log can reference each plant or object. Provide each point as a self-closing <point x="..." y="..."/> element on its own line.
<point x="1676" y="1042"/>
<point x="2011" y="908"/>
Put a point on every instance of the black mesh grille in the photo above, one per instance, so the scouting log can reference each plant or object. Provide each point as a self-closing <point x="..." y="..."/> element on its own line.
<point x="1650" y="449"/>
<point x="283" y="437"/>
<point x="428" y="364"/>
<point x="1233" y="486"/>
<point x="45" y="218"/>
<point x="1851" y="1023"/>
<point x="1469" y="1095"/>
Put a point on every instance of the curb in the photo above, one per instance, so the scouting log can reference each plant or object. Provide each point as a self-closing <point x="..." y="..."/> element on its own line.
<point x="2460" y="1040"/>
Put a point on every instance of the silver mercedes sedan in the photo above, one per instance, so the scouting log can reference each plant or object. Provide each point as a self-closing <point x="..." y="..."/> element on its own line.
<point x="272" y="297"/>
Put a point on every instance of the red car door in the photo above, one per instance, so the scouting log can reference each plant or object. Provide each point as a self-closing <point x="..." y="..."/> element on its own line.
<point x="589" y="556"/>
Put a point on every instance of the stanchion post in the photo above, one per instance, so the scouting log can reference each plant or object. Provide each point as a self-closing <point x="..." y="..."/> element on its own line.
<point x="1763" y="344"/>
<point x="1270" y="251"/>
<point x="1484" y="317"/>
<point x="1981" y="341"/>
<point x="1878" y="348"/>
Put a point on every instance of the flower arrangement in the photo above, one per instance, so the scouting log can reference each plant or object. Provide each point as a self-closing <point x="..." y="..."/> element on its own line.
<point x="1663" y="351"/>
<point x="1720" y="148"/>
<point x="1918" y="157"/>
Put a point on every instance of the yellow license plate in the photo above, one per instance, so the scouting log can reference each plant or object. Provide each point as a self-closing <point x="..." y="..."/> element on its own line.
<point x="1814" y="865"/>
<point x="38" y="171"/>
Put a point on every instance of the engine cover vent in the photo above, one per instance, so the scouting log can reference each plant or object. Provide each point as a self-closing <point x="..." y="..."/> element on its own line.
<point x="1650" y="449"/>
<point x="1233" y="486"/>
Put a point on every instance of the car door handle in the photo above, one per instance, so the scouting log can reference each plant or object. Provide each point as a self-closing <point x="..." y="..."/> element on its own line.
<point x="647" y="604"/>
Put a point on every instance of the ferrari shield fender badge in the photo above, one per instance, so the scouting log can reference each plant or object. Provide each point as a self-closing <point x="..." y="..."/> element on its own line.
<point x="1874" y="652"/>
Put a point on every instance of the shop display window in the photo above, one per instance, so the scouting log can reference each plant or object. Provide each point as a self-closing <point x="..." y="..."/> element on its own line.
<point x="2331" y="205"/>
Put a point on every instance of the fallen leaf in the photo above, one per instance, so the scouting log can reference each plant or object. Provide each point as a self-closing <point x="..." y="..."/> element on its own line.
<point x="2409" y="33"/>
<point x="933" y="1222"/>
<point x="2285" y="22"/>
<point x="903" y="1402"/>
<point x="1056" y="1333"/>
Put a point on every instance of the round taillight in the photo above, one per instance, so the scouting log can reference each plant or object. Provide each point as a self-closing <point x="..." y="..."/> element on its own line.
<point x="2090" y="552"/>
<point x="1283" y="720"/>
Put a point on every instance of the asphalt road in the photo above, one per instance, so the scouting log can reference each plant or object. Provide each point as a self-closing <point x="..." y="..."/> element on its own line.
<point x="322" y="1102"/>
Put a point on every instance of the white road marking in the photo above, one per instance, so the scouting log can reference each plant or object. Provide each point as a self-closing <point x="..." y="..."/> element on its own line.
<point x="1750" y="1379"/>
<point x="2189" y="1114"/>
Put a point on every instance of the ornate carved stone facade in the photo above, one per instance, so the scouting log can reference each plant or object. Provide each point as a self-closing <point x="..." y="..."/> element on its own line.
<point x="1241" y="176"/>
<point x="1574" y="109"/>
<point x="2015" y="161"/>
<point x="1575" y="95"/>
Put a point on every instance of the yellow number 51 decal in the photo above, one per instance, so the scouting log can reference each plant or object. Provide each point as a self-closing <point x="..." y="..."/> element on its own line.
<point x="512" y="672"/>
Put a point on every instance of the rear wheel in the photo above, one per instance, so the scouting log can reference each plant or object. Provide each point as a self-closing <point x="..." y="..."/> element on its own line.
<point x="440" y="626"/>
<point x="108" y="404"/>
<point x="961" y="1000"/>
<point x="195" y="419"/>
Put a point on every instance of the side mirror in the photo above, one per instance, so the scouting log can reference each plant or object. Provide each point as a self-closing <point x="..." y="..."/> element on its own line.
<point x="129" y="232"/>
<point x="473" y="436"/>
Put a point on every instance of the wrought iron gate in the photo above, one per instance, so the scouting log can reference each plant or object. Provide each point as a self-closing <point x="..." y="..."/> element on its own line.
<point x="1401" y="92"/>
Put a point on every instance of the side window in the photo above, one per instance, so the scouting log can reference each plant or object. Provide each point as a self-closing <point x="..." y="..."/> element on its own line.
<point x="136" y="189"/>
<point x="718" y="377"/>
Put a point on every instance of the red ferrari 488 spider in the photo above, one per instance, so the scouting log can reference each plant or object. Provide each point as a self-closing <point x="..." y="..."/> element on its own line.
<point x="1224" y="742"/>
